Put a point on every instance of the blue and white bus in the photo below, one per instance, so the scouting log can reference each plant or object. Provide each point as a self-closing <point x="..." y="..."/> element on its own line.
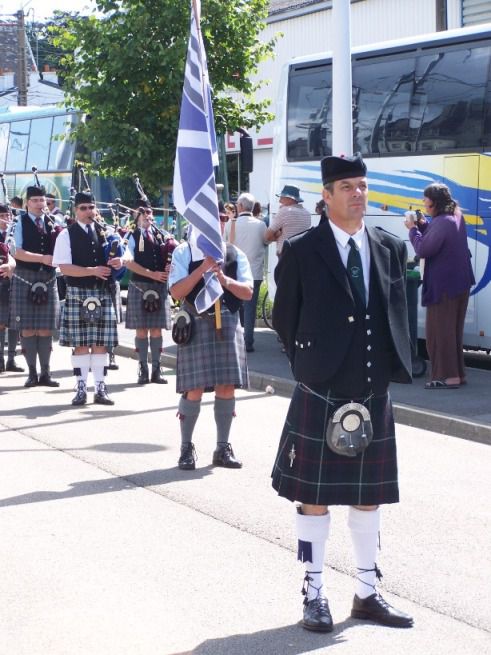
<point x="421" y="113"/>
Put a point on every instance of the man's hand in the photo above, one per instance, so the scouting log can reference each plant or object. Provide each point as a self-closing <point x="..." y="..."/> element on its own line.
<point x="115" y="262"/>
<point x="102" y="272"/>
<point x="47" y="260"/>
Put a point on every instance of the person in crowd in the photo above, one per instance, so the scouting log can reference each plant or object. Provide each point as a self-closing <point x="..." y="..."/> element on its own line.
<point x="291" y="218"/>
<point x="34" y="301"/>
<point x="231" y="210"/>
<point x="321" y="210"/>
<point x="7" y="267"/>
<point x="249" y="235"/>
<point x="145" y="259"/>
<point x="212" y="360"/>
<point x="447" y="280"/>
<point x="340" y="309"/>
<point x="88" y="324"/>
<point x="53" y="209"/>
<point x="257" y="210"/>
<point x="16" y="205"/>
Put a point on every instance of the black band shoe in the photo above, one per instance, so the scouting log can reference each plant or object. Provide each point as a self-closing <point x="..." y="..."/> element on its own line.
<point x="187" y="460"/>
<point x="375" y="608"/>
<point x="32" y="380"/>
<point x="143" y="373"/>
<point x="224" y="456"/>
<point x="100" y="396"/>
<point x="12" y="366"/>
<point x="80" y="397"/>
<point x="45" y="380"/>
<point x="316" y="615"/>
<point x="157" y="376"/>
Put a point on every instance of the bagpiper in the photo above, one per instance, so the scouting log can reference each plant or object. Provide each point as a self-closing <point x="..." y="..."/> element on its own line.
<point x="7" y="266"/>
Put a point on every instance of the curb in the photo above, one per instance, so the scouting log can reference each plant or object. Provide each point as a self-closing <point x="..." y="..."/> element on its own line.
<point x="452" y="426"/>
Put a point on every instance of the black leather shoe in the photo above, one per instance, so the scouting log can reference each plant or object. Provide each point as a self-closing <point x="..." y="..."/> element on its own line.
<point x="375" y="608"/>
<point x="316" y="615"/>
<point x="112" y="366"/>
<point x="32" y="380"/>
<point x="100" y="396"/>
<point x="143" y="374"/>
<point x="224" y="456"/>
<point x="45" y="380"/>
<point x="80" y="397"/>
<point x="12" y="366"/>
<point x="157" y="376"/>
<point x="2" y="365"/>
<point x="187" y="460"/>
<point x="249" y="349"/>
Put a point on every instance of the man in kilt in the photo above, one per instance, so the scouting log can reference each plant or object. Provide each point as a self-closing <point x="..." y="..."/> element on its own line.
<point x="212" y="359"/>
<point x="145" y="260"/>
<point x="88" y="323"/>
<point x="340" y="309"/>
<point x="7" y="267"/>
<point x="34" y="302"/>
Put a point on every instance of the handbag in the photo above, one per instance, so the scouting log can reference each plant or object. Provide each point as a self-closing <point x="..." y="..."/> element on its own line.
<point x="38" y="293"/>
<point x="91" y="310"/>
<point x="151" y="301"/>
<point x="182" y="327"/>
<point x="349" y="430"/>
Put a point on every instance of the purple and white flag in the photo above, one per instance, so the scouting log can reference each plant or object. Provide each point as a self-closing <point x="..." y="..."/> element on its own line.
<point x="195" y="195"/>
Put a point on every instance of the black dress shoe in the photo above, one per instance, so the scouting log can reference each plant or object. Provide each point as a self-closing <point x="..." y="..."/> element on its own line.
<point x="143" y="374"/>
<point x="187" y="460"/>
<point x="32" y="380"/>
<point x="316" y="615"/>
<point x="375" y="608"/>
<point x="224" y="456"/>
<point x="157" y="376"/>
<point x="249" y="349"/>
<point x="45" y="380"/>
<point x="100" y="396"/>
<point x="12" y="366"/>
<point x="80" y="397"/>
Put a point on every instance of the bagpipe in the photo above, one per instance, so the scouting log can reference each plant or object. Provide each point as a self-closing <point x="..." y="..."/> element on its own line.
<point x="55" y="228"/>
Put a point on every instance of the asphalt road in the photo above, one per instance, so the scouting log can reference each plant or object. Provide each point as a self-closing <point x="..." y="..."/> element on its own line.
<point x="107" y="548"/>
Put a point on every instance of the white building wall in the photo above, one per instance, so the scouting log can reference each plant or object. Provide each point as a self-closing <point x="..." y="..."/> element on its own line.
<point x="372" y="21"/>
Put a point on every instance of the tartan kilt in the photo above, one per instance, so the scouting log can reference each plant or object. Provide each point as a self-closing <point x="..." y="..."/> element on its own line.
<point x="318" y="476"/>
<point x="207" y="361"/>
<point x="75" y="332"/>
<point x="4" y="300"/>
<point x="24" y="315"/>
<point x="137" y="317"/>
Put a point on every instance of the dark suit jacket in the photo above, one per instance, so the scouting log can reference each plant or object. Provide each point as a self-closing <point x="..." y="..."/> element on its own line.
<point x="314" y="309"/>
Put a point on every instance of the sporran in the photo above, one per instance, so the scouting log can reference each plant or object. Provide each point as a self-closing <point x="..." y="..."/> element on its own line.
<point x="91" y="310"/>
<point x="38" y="293"/>
<point x="349" y="430"/>
<point x="182" y="327"/>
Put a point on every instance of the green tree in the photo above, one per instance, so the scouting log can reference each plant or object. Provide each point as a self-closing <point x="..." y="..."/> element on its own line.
<point x="125" y="72"/>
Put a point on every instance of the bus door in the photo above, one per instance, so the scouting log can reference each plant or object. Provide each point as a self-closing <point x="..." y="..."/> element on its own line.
<point x="461" y="175"/>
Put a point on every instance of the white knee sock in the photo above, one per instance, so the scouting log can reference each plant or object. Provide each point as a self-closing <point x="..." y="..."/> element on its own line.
<point x="98" y="363"/>
<point x="365" y="527"/>
<point x="81" y="366"/>
<point x="312" y="533"/>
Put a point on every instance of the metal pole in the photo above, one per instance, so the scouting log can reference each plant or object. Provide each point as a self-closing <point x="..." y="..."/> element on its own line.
<point x="342" y="122"/>
<point x="21" y="61"/>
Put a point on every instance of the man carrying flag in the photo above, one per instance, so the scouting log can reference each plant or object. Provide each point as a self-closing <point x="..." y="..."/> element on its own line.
<point x="210" y="285"/>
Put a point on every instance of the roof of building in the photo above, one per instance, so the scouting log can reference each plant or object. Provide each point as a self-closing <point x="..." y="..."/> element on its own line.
<point x="280" y="6"/>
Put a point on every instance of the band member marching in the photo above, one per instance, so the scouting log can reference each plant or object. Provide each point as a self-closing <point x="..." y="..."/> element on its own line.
<point x="34" y="302"/>
<point x="148" y="306"/>
<point x="88" y="322"/>
<point x="7" y="267"/>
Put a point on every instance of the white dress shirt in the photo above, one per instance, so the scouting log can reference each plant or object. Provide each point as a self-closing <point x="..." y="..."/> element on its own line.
<point x="361" y="241"/>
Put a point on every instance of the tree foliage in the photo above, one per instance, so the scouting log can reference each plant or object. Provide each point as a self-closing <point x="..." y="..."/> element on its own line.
<point x="125" y="72"/>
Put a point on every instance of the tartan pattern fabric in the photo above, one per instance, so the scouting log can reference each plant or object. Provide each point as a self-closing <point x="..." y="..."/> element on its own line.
<point x="137" y="317"/>
<point x="24" y="315"/>
<point x="207" y="360"/>
<point x="317" y="475"/>
<point x="75" y="332"/>
<point x="4" y="301"/>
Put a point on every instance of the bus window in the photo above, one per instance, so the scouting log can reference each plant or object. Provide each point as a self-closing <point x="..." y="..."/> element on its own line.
<point x="448" y="106"/>
<point x="309" y="113"/>
<point x="62" y="149"/>
<point x="17" y="151"/>
<point x="382" y="91"/>
<point x="4" y="141"/>
<point x="38" y="152"/>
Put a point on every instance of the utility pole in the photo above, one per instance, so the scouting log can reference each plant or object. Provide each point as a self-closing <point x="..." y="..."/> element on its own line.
<point x="21" y="61"/>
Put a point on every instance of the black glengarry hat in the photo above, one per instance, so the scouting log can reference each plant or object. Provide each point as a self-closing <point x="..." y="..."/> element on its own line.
<point x="340" y="168"/>
<point x="35" y="192"/>
<point x="82" y="197"/>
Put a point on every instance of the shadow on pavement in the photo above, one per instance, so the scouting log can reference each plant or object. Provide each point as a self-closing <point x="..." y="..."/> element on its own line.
<point x="127" y="448"/>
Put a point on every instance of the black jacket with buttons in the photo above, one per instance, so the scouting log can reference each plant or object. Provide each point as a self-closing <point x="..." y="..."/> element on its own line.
<point x="315" y="313"/>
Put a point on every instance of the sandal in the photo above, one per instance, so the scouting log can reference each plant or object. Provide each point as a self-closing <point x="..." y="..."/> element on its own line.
<point x="440" y="384"/>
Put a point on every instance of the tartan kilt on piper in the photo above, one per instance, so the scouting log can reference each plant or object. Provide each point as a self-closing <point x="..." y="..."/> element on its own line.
<point x="4" y="300"/>
<point x="76" y="332"/>
<point x="25" y="315"/>
<point x="317" y="475"/>
<point x="208" y="360"/>
<point x="137" y="317"/>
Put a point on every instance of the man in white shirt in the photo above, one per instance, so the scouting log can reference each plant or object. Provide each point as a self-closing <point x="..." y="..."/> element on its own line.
<point x="249" y="234"/>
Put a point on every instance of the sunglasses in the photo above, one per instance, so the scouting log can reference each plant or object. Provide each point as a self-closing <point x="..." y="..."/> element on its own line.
<point x="146" y="211"/>
<point x="85" y="208"/>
